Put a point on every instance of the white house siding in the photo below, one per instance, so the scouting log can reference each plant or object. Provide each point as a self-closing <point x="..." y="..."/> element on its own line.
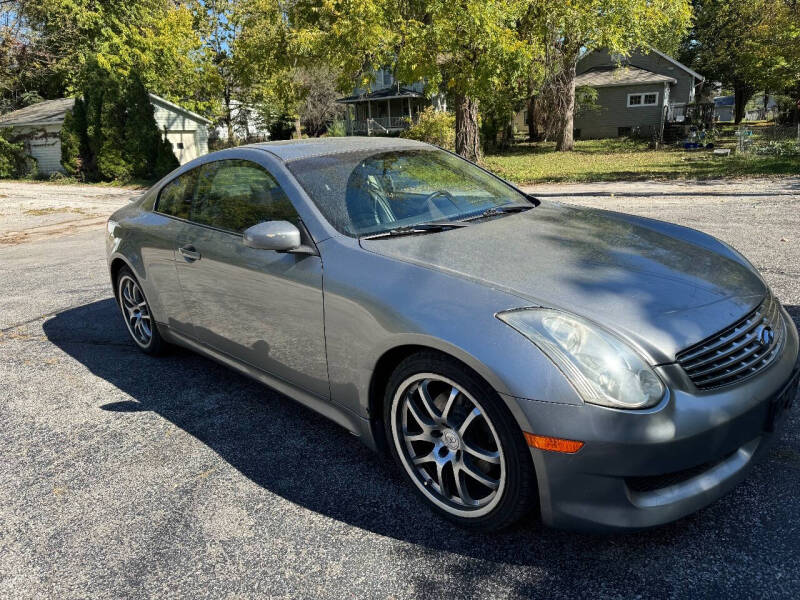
<point x="182" y="130"/>
<point x="615" y="113"/>
<point x="44" y="144"/>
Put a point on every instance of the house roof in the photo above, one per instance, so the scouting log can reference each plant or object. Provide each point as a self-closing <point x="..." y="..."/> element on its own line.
<point x="51" y="112"/>
<point x="384" y="94"/>
<point x="288" y="150"/>
<point x="42" y="113"/>
<point x="678" y="64"/>
<point x="177" y="108"/>
<point x="616" y="76"/>
<point x="725" y="100"/>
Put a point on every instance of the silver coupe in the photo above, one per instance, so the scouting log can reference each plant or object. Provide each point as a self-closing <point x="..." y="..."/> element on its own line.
<point x="608" y="371"/>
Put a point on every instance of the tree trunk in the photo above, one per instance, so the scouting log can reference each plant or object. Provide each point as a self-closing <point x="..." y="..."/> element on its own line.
<point x="741" y="96"/>
<point x="467" y="138"/>
<point x="229" y="117"/>
<point x="565" y="139"/>
<point x="298" y="128"/>
<point x="533" y="125"/>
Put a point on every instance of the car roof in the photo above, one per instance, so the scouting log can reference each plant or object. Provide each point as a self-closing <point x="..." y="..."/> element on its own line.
<point x="289" y="150"/>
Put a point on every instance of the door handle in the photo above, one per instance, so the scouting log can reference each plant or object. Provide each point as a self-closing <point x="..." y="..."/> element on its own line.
<point x="189" y="253"/>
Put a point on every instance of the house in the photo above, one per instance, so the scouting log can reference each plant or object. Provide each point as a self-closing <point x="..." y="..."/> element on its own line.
<point x="762" y="109"/>
<point x="247" y="124"/>
<point x="389" y="108"/>
<point x="637" y="94"/>
<point x="724" y="108"/>
<point x="41" y="123"/>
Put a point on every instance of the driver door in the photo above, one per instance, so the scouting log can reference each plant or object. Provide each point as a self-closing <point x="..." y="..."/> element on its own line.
<point x="261" y="307"/>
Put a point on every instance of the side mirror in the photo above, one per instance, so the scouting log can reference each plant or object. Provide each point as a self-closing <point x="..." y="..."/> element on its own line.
<point x="281" y="236"/>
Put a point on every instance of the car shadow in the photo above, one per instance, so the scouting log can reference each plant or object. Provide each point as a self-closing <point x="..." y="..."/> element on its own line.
<point x="302" y="457"/>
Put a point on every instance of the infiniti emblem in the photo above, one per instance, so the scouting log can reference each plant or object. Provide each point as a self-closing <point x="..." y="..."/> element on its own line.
<point x="450" y="440"/>
<point x="765" y="335"/>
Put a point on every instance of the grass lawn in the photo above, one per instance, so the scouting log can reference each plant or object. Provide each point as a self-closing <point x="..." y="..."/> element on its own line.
<point x="623" y="159"/>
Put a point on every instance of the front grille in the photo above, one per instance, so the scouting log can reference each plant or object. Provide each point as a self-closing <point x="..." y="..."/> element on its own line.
<point x="737" y="352"/>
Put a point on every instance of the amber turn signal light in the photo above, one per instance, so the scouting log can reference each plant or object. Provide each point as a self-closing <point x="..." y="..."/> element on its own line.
<point x="543" y="442"/>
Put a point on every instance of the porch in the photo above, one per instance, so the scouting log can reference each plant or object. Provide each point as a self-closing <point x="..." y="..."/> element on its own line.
<point x="383" y="112"/>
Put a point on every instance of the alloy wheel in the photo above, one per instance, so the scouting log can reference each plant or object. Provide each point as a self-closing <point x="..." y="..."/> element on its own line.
<point x="448" y="445"/>
<point x="135" y="310"/>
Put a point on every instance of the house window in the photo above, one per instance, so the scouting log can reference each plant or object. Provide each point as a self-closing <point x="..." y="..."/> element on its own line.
<point x="647" y="99"/>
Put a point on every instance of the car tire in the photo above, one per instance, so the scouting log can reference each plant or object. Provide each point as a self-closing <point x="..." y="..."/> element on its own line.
<point x="457" y="443"/>
<point x="137" y="314"/>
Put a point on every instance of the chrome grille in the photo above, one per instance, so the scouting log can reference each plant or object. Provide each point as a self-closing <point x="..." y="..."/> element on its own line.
<point x="736" y="352"/>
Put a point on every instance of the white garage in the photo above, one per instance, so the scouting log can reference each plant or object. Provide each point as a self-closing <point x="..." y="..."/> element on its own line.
<point x="41" y="125"/>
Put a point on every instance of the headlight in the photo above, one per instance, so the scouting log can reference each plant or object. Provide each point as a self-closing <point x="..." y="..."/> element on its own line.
<point x="602" y="368"/>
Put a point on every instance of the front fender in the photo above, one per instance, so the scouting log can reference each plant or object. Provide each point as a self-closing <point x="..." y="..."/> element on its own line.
<point x="410" y="305"/>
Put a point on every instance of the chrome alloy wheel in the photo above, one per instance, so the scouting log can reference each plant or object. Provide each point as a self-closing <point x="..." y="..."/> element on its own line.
<point x="135" y="310"/>
<point x="448" y="445"/>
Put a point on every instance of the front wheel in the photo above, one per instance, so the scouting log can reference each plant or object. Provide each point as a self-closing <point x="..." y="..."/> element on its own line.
<point x="457" y="443"/>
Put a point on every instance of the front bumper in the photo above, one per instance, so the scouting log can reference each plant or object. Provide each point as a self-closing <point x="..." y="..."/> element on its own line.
<point x="640" y="469"/>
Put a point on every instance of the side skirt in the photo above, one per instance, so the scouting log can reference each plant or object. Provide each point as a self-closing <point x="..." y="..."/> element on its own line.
<point x="355" y="424"/>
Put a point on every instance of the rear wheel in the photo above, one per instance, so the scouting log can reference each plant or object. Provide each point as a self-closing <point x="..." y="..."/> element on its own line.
<point x="457" y="443"/>
<point x="136" y="313"/>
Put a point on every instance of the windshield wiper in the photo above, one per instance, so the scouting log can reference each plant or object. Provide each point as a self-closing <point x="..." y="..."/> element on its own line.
<point x="500" y="210"/>
<point x="418" y="228"/>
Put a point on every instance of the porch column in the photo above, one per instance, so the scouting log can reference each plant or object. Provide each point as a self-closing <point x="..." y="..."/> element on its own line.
<point x="389" y="112"/>
<point x="410" y="116"/>
<point x="349" y="120"/>
<point x="369" y="116"/>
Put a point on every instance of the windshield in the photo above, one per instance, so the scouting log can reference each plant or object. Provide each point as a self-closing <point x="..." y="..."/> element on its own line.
<point x="364" y="193"/>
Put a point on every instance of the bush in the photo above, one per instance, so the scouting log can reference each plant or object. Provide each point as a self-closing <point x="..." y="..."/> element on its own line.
<point x="281" y="127"/>
<point x="14" y="162"/>
<point x="337" y="129"/>
<point x="434" y="127"/>
<point x="783" y="149"/>
<point x="112" y="135"/>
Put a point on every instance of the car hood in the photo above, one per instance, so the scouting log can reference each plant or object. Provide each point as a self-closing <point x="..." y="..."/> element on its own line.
<point x="661" y="286"/>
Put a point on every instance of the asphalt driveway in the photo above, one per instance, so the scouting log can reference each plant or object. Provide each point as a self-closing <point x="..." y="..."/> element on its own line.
<point x="128" y="476"/>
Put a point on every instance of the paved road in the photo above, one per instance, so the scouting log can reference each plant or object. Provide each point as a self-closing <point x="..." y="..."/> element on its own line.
<point x="126" y="476"/>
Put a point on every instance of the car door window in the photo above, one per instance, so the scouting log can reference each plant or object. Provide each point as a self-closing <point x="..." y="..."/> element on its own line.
<point x="236" y="194"/>
<point x="175" y="198"/>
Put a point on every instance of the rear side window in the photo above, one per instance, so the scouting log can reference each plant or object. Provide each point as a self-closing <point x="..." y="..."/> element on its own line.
<point x="237" y="194"/>
<point x="175" y="198"/>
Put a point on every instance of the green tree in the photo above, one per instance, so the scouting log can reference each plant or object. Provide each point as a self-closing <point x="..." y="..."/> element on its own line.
<point x="464" y="48"/>
<point x="749" y="46"/>
<point x="111" y="133"/>
<point x="14" y="161"/>
<point x="54" y="44"/>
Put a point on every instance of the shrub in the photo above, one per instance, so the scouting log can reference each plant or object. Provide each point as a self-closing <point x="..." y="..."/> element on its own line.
<point x="337" y="129"/>
<point x="111" y="134"/>
<point x="73" y="139"/>
<point x="783" y="149"/>
<point x="281" y="127"/>
<point x="434" y="127"/>
<point x="14" y="162"/>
